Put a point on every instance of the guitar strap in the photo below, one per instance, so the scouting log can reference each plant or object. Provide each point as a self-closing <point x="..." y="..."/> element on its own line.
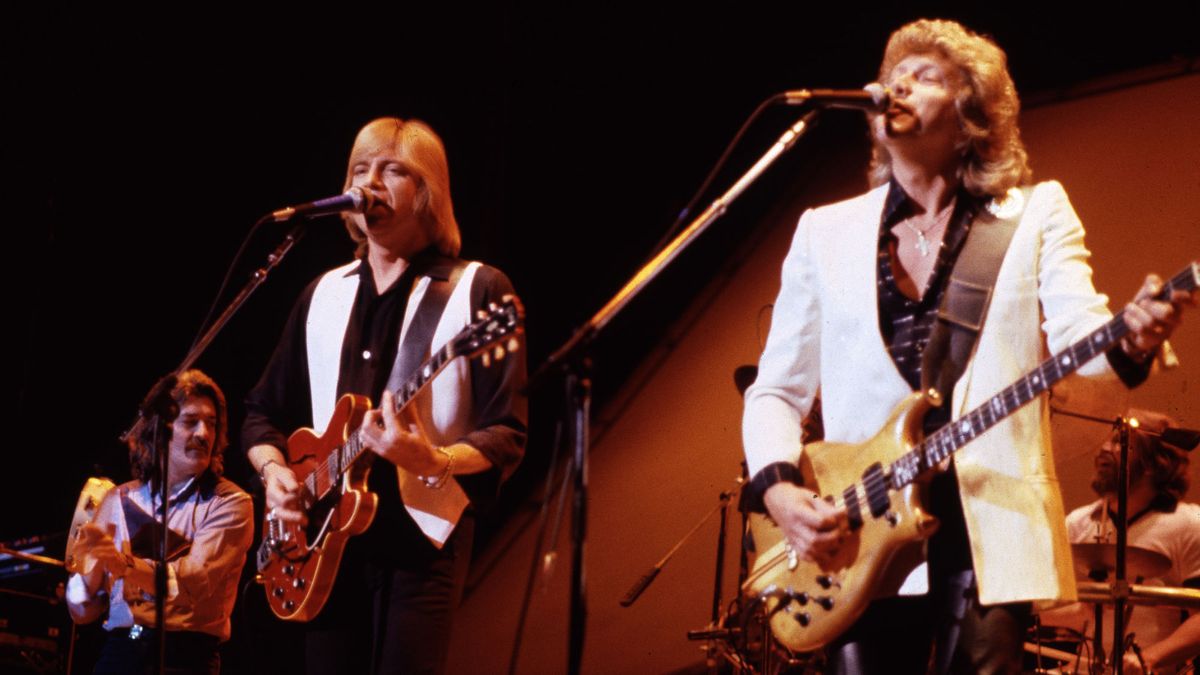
<point x="965" y="304"/>
<point x="418" y="339"/>
<point x="436" y="512"/>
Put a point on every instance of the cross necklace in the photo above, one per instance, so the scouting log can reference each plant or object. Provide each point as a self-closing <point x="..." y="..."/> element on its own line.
<point x="922" y="242"/>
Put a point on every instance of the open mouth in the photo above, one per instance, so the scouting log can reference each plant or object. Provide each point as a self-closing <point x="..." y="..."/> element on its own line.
<point x="898" y="108"/>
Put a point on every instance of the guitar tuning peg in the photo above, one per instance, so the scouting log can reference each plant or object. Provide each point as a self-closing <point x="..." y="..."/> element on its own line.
<point x="492" y="306"/>
<point x="499" y="352"/>
<point x="513" y="344"/>
<point x="486" y="359"/>
<point x="480" y="314"/>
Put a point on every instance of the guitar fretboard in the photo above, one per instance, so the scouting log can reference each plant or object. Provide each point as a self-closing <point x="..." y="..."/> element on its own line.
<point x="327" y="474"/>
<point x="958" y="433"/>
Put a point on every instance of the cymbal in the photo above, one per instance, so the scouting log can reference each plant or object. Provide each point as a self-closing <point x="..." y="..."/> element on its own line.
<point x="1094" y="557"/>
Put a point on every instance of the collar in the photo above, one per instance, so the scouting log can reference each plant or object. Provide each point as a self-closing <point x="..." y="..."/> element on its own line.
<point x="1162" y="503"/>
<point x="897" y="204"/>
<point x="428" y="263"/>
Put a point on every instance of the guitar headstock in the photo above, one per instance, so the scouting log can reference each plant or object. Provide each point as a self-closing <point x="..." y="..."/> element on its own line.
<point x="493" y="333"/>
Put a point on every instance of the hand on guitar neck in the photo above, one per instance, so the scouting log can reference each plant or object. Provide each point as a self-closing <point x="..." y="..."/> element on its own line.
<point x="814" y="529"/>
<point x="398" y="437"/>
<point x="1151" y="320"/>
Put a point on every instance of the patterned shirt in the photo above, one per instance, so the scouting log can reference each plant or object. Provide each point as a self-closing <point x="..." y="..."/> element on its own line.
<point x="210" y="525"/>
<point x="907" y="323"/>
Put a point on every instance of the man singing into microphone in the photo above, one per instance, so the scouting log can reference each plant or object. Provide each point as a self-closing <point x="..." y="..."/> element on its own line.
<point x="354" y="330"/>
<point x="861" y="288"/>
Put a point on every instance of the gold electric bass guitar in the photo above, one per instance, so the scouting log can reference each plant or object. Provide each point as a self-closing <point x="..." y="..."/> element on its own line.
<point x="297" y="564"/>
<point x="810" y="604"/>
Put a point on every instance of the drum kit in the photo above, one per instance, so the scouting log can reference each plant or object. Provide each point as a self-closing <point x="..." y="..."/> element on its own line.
<point x="739" y="638"/>
<point x="1053" y="649"/>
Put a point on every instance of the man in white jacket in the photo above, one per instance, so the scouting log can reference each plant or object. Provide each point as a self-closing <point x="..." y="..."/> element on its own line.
<point x="859" y="298"/>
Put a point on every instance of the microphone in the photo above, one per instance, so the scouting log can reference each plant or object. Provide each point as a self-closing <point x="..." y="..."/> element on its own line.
<point x="872" y="98"/>
<point x="355" y="199"/>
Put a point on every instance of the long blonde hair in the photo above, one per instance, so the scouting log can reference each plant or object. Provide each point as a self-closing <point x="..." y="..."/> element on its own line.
<point x="423" y="154"/>
<point x="993" y="157"/>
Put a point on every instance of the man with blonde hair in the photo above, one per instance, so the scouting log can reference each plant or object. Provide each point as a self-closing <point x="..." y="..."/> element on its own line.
<point x="355" y="330"/>
<point x="861" y="288"/>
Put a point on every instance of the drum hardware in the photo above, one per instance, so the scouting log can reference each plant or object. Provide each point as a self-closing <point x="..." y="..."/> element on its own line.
<point x="1123" y="427"/>
<point x="1139" y="594"/>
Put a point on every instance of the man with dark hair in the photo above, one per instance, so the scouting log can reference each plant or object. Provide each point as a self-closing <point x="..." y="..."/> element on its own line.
<point x="210" y="526"/>
<point x="362" y="329"/>
<point x="1158" y="520"/>
<point x="859" y="301"/>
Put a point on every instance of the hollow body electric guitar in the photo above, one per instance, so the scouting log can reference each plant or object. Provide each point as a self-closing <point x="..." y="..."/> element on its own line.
<point x="810" y="604"/>
<point x="297" y="564"/>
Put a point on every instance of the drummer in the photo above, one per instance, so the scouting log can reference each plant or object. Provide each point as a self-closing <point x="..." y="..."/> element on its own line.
<point x="1159" y="521"/>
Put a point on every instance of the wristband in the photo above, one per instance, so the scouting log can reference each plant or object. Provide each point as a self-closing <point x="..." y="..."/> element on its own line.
<point x="777" y="472"/>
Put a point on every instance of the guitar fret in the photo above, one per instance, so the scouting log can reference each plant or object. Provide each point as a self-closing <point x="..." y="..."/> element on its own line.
<point x="949" y="444"/>
<point x="933" y="448"/>
<point x="905" y="469"/>
<point x="978" y="424"/>
<point x="1082" y="351"/>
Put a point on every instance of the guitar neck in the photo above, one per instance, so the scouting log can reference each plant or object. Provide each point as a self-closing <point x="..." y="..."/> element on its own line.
<point x="346" y="454"/>
<point x="944" y="442"/>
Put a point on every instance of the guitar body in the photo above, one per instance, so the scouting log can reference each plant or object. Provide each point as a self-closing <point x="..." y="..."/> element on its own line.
<point x="809" y="605"/>
<point x="297" y="564"/>
<point x="85" y="512"/>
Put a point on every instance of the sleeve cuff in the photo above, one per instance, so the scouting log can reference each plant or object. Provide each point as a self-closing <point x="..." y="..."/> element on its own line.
<point x="776" y="472"/>
<point x="1131" y="372"/>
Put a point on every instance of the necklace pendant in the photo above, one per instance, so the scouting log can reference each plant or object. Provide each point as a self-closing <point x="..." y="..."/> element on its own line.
<point x="922" y="244"/>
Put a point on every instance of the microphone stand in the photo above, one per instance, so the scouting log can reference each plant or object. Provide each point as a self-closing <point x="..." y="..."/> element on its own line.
<point x="572" y="362"/>
<point x="158" y="405"/>
<point x="1120" y="586"/>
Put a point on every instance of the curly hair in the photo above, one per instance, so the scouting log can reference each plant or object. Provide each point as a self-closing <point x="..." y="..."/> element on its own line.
<point x="993" y="156"/>
<point x="141" y="441"/>
<point x="422" y="152"/>
<point x="1164" y="464"/>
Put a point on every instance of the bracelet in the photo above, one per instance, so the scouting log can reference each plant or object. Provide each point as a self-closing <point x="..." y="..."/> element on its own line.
<point x="436" y="482"/>
<point x="777" y="472"/>
<point x="262" y="470"/>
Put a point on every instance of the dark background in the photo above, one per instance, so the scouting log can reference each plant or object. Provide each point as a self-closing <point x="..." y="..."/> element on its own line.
<point x="138" y="150"/>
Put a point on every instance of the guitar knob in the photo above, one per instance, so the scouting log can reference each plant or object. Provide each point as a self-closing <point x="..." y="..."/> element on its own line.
<point x="278" y="592"/>
<point x="826" y="602"/>
<point x="802" y="618"/>
<point x="289" y="605"/>
<point x="892" y="518"/>
<point x="298" y="584"/>
<point x="801" y="598"/>
<point x="825" y="580"/>
<point x="289" y="570"/>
